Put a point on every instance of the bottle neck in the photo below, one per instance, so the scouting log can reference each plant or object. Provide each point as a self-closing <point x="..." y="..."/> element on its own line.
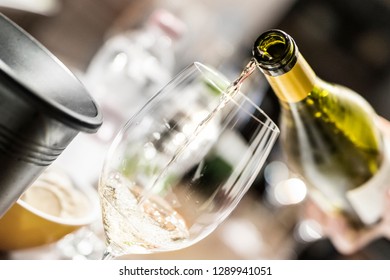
<point x="286" y="70"/>
<point x="294" y="85"/>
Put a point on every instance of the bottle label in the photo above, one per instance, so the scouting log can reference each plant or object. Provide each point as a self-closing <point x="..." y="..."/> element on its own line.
<point x="368" y="200"/>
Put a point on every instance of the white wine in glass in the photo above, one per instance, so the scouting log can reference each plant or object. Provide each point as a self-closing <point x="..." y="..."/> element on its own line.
<point x="182" y="163"/>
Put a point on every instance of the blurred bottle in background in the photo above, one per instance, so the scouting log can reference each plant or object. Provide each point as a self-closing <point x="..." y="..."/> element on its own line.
<point x="131" y="67"/>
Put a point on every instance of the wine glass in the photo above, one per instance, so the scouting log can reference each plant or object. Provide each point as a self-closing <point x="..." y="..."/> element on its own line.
<point x="181" y="164"/>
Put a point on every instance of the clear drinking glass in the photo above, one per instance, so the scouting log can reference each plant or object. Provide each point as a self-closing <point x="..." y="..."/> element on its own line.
<point x="181" y="164"/>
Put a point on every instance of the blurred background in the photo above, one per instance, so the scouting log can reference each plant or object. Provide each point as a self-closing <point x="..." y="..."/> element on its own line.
<point x="345" y="41"/>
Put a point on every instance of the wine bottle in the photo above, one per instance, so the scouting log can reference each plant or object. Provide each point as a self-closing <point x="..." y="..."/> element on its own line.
<point x="328" y="132"/>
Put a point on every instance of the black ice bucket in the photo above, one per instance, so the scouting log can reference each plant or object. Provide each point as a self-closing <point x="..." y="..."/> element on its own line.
<point x="43" y="106"/>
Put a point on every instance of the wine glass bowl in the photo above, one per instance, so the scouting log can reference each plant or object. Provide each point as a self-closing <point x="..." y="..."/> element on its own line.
<point x="181" y="164"/>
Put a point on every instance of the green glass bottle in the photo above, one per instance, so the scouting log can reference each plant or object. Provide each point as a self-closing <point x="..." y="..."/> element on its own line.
<point x="328" y="132"/>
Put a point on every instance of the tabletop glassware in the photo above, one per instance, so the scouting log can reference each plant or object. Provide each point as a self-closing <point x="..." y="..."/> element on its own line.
<point x="54" y="206"/>
<point x="181" y="164"/>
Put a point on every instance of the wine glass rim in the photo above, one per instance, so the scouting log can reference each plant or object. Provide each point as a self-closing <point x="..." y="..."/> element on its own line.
<point x="191" y="68"/>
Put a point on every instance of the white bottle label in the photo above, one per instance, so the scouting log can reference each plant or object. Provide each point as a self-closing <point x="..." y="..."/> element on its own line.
<point x="368" y="200"/>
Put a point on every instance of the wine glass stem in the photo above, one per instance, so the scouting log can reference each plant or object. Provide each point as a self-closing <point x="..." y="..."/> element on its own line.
<point x="107" y="255"/>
